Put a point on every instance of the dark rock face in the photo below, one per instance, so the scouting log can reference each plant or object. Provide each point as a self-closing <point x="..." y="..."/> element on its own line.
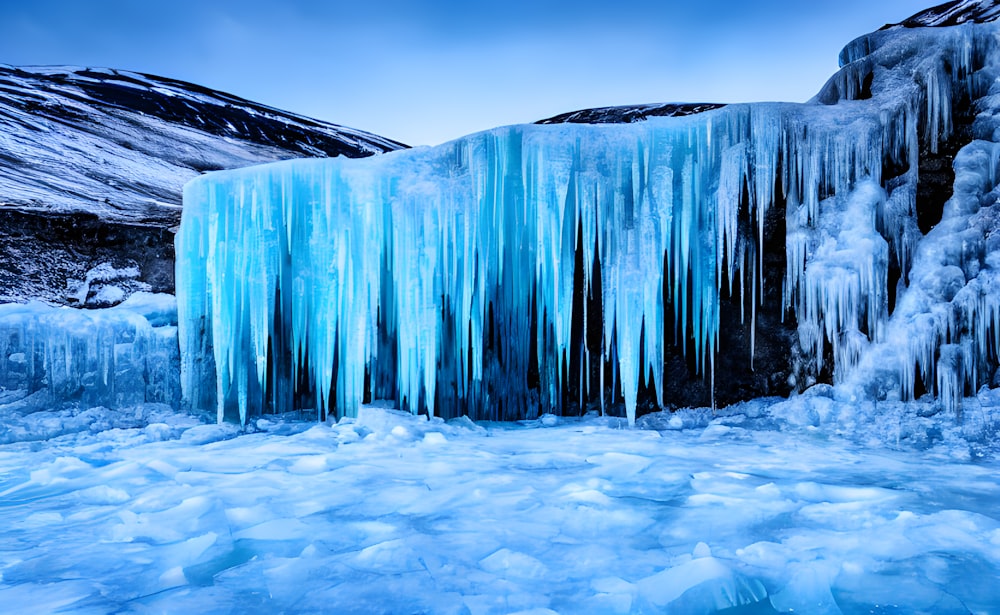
<point x="629" y="113"/>
<point x="70" y="258"/>
<point x="92" y="162"/>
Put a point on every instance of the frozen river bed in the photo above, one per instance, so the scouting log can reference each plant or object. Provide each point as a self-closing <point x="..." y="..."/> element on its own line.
<point x="770" y="507"/>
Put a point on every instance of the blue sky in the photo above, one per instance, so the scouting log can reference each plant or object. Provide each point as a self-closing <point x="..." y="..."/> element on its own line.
<point x="426" y="72"/>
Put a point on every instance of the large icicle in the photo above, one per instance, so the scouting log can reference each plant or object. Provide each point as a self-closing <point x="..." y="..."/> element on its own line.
<point x="452" y="252"/>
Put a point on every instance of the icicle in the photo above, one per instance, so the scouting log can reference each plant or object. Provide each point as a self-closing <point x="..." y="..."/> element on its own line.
<point x="950" y="382"/>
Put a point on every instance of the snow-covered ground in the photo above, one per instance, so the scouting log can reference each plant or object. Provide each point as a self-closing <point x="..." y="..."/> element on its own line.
<point x="811" y="504"/>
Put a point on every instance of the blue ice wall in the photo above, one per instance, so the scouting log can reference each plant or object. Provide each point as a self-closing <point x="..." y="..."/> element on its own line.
<point x="319" y="260"/>
<point x="118" y="357"/>
<point x="443" y="278"/>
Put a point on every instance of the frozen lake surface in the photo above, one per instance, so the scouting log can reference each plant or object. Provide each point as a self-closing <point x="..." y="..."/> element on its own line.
<point x="775" y="506"/>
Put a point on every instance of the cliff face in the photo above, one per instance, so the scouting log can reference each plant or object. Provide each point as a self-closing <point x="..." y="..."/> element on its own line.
<point x="92" y="162"/>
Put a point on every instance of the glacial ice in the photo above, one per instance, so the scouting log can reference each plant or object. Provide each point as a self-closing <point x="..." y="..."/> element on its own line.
<point x="296" y="272"/>
<point x="117" y="357"/>
<point x="444" y="278"/>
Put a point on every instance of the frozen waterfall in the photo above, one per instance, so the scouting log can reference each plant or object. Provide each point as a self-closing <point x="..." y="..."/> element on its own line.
<point x="490" y="275"/>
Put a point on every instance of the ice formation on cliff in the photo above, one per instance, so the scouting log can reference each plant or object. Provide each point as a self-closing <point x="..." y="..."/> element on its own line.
<point x="310" y="283"/>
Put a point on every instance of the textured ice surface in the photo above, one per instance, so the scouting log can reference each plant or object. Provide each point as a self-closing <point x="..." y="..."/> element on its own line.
<point x="302" y="284"/>
<point x="810" y="504"/>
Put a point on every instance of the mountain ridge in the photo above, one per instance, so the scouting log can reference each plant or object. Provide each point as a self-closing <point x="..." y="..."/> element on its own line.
<point x="92" y="163"/>
<point x="954" y="13"/>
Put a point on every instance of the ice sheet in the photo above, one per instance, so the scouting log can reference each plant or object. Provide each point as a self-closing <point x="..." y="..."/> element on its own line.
<point x="851" y="511"/>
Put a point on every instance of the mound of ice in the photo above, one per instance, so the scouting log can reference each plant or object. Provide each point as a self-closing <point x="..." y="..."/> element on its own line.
<point x="117" y="357"/>
<point x="703" y="585"/>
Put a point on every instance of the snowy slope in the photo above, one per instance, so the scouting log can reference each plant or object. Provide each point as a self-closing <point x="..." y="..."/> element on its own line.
<point x="121" y="144"/>
<point x="92" y="162"/>
<point x="953" y="14"/>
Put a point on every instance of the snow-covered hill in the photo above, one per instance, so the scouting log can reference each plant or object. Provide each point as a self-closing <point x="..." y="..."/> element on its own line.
<point x="627" y="114"/>
<point x="92" y="162"/>
<point x="121" y="144"/>
<point x="953" y="14"/>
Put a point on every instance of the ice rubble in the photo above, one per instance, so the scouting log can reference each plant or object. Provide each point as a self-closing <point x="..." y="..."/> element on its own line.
<point x="314" y="282"/>
<point x="118" y="357"/>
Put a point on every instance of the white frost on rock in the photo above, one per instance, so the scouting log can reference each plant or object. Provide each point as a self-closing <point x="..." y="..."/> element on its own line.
<point x="106" y="285"/>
